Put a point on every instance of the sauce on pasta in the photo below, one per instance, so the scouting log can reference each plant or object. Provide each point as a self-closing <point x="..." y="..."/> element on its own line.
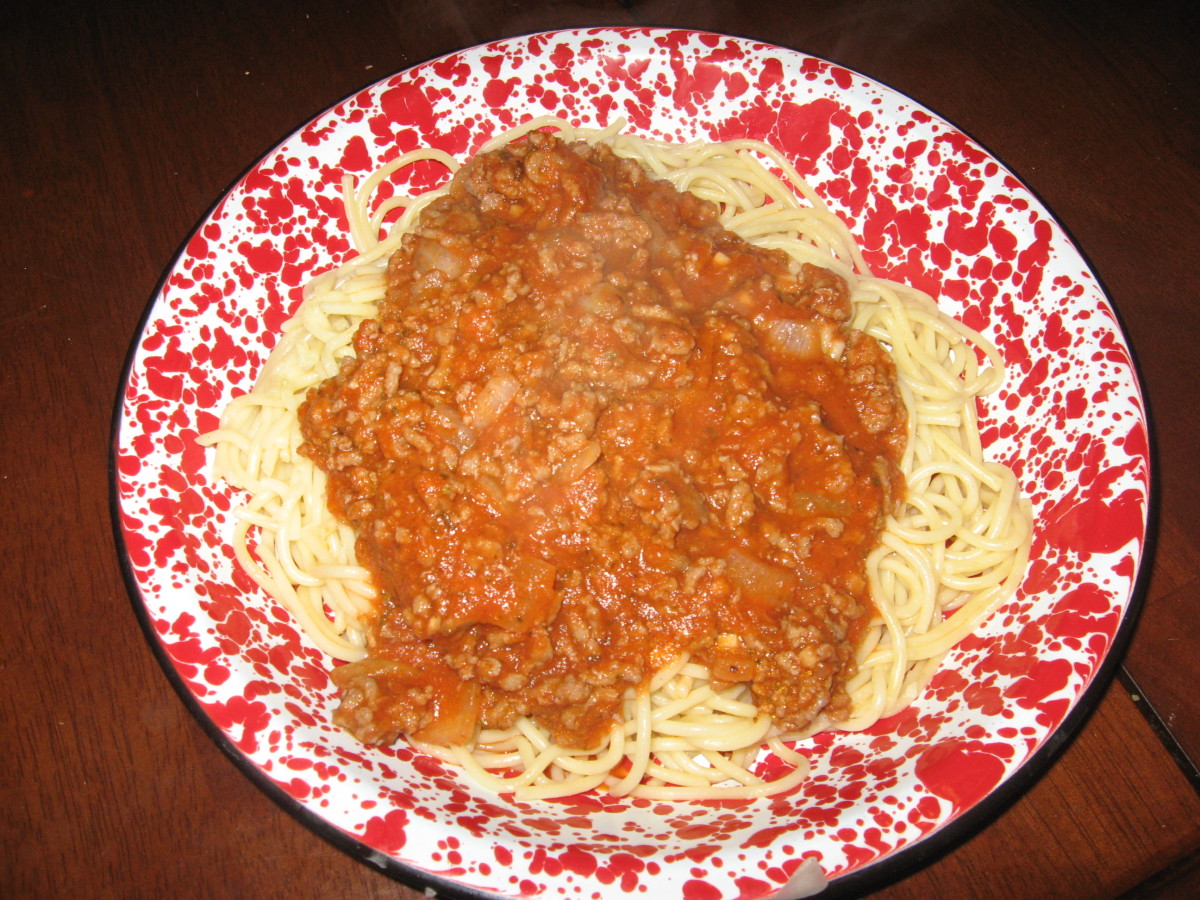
<point x="592" y="431"/>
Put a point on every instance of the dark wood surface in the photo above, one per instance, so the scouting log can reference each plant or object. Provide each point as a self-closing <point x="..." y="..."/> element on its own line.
<point x="121" y="122"/>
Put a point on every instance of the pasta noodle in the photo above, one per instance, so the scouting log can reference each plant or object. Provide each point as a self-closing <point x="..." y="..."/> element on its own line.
<point x="952" y="553"/>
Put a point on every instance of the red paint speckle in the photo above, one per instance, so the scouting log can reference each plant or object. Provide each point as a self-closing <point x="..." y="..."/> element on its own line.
<point x="803" y="130"/>
<point x="700" y="890"/>
<point x="1095" y="524"/>
<point x="578" y="861"/>
<point x="957" y="772"/>
<point x="356" y="157"/>
<point x="387" y="832"/>
<point x="407" y="104"/>
<point x="263" y="257"/>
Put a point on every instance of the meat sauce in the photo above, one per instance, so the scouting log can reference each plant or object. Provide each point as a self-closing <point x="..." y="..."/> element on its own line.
<point x="590" y="431"/>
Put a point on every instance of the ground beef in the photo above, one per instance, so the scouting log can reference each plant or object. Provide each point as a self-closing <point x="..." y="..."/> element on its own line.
<point x="589" y="431"/>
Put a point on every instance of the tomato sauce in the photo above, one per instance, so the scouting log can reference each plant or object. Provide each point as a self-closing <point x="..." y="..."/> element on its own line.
<point x="590" y="431"/>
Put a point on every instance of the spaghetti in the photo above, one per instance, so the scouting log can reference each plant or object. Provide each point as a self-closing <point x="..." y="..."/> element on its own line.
<point x="951" y="553"/>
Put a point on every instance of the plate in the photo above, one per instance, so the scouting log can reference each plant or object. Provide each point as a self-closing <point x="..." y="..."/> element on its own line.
<point x="929" y="206"/>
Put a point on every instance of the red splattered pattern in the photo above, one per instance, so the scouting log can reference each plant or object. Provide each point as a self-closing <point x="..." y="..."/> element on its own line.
<point x="929" y="207"/>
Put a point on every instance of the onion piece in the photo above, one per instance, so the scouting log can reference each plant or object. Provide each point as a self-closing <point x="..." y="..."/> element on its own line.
<point x="759" y="580"/>
<point x="496" y="394"/>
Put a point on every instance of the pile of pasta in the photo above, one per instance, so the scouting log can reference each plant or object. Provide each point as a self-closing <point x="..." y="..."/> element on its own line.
<point x="953" y="552"/>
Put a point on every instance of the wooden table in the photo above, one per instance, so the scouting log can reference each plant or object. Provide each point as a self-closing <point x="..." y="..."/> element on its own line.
<point x="122" y="121"/>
